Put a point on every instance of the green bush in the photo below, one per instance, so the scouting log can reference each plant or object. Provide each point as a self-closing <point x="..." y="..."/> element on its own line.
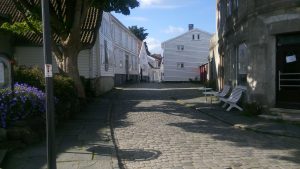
<point x="33" y="76"/>
<point x="65" y="91"/>
<point x="63" y="88"/>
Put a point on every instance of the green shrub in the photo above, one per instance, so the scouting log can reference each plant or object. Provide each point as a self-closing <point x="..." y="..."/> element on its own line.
<point x="63" y="88"/>
<point x="33" y="76"/>
<point x="65" y="91"/>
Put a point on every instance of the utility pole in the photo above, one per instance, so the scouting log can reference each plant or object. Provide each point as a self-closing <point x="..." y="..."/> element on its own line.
<point x="50" y="123"/>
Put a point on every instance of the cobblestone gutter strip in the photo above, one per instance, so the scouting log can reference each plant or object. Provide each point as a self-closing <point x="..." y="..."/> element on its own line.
<point x="117" y="162"/>
<point x="239" y="126"/>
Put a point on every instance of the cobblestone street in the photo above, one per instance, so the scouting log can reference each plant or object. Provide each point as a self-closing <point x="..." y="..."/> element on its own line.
<point x="153" y="131"/>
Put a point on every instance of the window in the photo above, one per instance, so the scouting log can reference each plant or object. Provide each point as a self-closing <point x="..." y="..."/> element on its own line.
<point x="121" y="63"/>
<point x="180" y="47"/>
<point x="229" y="7"/>
<point x="193" y="37"/>
<point x="242" y="63"/>
<point x="198" y="36"/>
<point x="106" y="55"/>
<point x="180" y="65"/>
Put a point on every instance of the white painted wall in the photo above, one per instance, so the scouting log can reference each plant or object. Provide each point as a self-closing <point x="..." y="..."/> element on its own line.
<point x="33" y="56"/>
<point x="91" y="63"/>
<point x="124" y="43"/>
<point x="105" y="34"/>
<point x="143" y="61"/>
<point x="194" y="54"/>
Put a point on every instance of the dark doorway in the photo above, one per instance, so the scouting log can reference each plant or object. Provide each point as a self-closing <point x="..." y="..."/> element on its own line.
<point x="203" y="72"/>
<point x="288" y="71"/>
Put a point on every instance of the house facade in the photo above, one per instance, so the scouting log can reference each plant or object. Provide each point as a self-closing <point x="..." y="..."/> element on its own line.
<point x="114" y="54"/>
<point x="259" y="42"/>
<point x="183" y="55"/>
<point x="154" y="71"/>
<point x="144" y="64"/>
<point x="126" y="47"/>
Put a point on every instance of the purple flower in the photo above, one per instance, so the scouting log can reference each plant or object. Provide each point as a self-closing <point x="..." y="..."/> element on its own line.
<point x="23" y="102"/>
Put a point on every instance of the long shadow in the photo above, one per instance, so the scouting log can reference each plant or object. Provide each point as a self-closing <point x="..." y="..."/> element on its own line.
<point x="202" y="123"/>
<point x="126" y="154"/>
<point x="78" y="139"/>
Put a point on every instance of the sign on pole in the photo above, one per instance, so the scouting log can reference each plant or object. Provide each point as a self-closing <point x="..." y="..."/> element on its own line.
<point x="50" y="126"/>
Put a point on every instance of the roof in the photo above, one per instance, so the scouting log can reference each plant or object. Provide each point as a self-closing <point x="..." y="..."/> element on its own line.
<point x="158" y="57"/>
<point x="7" y="8"/>
<point x="193" y="30"/>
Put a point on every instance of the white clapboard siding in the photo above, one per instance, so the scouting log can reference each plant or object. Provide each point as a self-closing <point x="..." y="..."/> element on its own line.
<point x="119" y="60"/>
<point x="124" y="43"/>
<point x="110" y="70"/>
<point x="32" y="56"/>
<point x="133" y="65"/>
<point x="84" y="63"/>
<point x="194" y="54"/>
<point x="143" y="61"/>
<point x="105" y="34"/>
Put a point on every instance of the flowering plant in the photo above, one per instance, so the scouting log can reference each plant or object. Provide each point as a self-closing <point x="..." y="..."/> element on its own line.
<point x="20" y="103"/>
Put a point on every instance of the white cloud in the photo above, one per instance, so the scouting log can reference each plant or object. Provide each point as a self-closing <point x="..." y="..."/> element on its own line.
<point x="154" y="45"/>
<point x="137" y="18"/>
<point x="159" y="4"/>
<point x="145" y="3"/>
<point x="174" y="30"/>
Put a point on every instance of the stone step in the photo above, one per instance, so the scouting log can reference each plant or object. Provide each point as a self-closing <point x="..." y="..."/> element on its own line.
<point x="290" y="115"/>
<point x="285" y="111"/>
<point x="270" y="117"/>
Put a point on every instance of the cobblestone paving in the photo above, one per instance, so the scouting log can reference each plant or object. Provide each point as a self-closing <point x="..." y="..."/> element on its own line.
<point x="153" y="131"/>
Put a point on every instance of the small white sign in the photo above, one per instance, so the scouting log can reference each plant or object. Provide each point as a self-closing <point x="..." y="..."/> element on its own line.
<point x="48" y="70"/>
<point x="290" y="59"/>
<point x="1" y="72"/>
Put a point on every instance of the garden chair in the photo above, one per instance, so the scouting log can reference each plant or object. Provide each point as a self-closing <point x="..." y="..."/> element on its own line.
<point x="224" y="92"/>
<point x="234" y="97"/>
<point x="221" y="94"/>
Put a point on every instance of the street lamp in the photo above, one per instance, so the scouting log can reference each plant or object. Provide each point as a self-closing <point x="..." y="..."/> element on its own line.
<point x="50" y="123"/>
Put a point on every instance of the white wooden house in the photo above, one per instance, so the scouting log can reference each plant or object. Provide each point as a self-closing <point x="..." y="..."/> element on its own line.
<point x="154" y="70"/>
<point x="126" y="52"/>
<point x="183" y="55"/>
<point x="144" y="65"/>
<point x="114" y="56"/>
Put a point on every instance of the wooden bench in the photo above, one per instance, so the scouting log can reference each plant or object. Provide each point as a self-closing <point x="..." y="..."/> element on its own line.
<point x="234" y="97"/>
<point x="224" y="92"/>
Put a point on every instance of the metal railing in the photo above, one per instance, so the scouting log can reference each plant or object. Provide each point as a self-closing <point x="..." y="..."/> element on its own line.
<point x="292" y="78"/>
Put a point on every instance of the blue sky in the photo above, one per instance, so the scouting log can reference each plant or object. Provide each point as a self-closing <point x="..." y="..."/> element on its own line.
<point x="165" y="19"/>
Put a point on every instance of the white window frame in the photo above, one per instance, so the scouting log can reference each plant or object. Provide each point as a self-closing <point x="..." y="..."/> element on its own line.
<point x="180" y="65"/>
<point x="180" y="47"/>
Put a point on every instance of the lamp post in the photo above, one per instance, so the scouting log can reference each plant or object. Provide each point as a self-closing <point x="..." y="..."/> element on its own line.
<point x="50" y="123"/>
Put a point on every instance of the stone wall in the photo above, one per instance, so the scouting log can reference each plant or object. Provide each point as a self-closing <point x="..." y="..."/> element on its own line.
<point x="257" y="23"/>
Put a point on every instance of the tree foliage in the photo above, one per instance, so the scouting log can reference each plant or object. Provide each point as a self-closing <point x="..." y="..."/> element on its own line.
<point x="23" y="27"/>
<point x="139" y="32"/>
<point x="73" y="23"/>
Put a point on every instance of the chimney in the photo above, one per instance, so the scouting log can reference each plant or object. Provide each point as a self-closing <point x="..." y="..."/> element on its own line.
<point x="191" y="27"/>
